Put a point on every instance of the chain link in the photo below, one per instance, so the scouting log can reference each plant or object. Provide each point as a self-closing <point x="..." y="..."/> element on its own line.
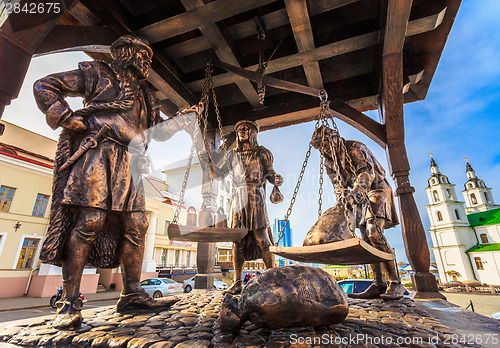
<point x="205" y="100"/>
<point x="320" y="191"/>
<point x="184" y="185"/>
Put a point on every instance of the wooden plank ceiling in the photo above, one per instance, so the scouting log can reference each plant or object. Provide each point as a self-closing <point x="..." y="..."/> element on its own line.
<point x="338" y="45"/>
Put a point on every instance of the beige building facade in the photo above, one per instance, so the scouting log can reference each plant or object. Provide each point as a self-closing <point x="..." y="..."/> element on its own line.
<point x="26" y="164"/>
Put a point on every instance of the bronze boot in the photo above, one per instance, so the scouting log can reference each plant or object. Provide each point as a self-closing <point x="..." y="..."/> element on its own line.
<point x="142" y="301"/>
<point x="234" y="289"/>
<point x="373" y="291"/>
<point x="395" y="291"/>
<point x="68" y="316"/>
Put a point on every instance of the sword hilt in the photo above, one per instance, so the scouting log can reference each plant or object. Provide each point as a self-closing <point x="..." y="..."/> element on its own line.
<point x="90" y="142"/>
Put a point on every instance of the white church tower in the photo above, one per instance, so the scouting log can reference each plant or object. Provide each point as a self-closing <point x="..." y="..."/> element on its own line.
<point x="477" y="196"/>
<point x="450" y="230"/>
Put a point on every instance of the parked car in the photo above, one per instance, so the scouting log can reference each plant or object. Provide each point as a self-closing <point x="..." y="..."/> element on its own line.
<point x="355" y="286"/>
<point x="161" y="287"/>
<point x="453" y="283"/>
<point x="188" y="284"/>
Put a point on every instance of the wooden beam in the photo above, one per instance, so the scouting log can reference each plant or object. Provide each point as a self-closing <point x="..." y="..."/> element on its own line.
<point x="391" y="113"/>
<point x="117" y="18"/>
<point x="306" y="115"/>
<point x="302" y="31"/>
<point x="433" y="48"/>
<point x="223" y="51"/>
<point x="210" y="13"/>
<point x="319" y="53"/>
<point x="424" y="24"/>
<point x="247" y="28"/>
<point x="20" y="35"/>
<point x="66" y="38"/>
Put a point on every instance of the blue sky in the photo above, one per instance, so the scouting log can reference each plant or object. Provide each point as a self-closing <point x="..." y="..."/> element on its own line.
<point x="458" y="118"/>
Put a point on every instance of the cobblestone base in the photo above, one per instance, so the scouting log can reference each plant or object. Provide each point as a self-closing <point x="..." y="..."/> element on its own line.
<point x="192" y="322"/>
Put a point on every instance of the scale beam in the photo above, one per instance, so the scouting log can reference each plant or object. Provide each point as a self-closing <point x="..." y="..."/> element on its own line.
<point x="352" y="251"/>
<point x="205" y="235"/>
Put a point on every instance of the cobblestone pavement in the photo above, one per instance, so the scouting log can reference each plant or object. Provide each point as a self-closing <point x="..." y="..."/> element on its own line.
<point x="192" y="322"/>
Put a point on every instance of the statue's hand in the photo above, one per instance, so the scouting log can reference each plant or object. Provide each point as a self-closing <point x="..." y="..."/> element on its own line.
<point x="278" y="180"/>
<point x="74" y="122"/>
<point x="198" y="109"/>
<point x="350" y="201"/>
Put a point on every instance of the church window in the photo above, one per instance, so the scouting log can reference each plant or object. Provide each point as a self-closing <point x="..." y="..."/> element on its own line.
<point x="436" y="196"/>
<point x="450" y="196"/>
<point x="439" y="216"/>
<point x="457" y="214"/>
<point x="433" y="181"/>
<point x="486" y="197"/>
<point x="473" y="198"/>
<point x="484" y="238"/>
<point x="479" y="263"/>
<point x="469" y="185"/>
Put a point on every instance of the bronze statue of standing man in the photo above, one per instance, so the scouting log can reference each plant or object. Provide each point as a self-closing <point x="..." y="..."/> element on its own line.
<point x="98" y="205"/>
<point x="350" y="164"/>
<point x="251" y="166"/>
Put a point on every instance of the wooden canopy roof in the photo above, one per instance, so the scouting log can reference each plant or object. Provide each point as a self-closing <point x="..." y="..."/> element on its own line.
<point x="338" y="45"/>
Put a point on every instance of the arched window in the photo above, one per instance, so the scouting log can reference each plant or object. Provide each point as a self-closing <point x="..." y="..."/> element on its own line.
<point x="6" y="149"/>
<point x="486" y="197"/>
<point x="439" y="216"/>
<point x="435" y="195"/>
<point x="457" y="214"/>
<point x="473" y="198"/>
<point x="484" y="238"/>
<point x="479" y="263"/>
<point x="469" y="185"/>
<point x="433" y="181"/>
<point x="450" y="196"/>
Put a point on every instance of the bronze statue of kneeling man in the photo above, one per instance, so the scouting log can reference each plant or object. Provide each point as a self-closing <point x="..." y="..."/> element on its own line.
<point x="98" y="206"/>
<point x="370" y="199"/>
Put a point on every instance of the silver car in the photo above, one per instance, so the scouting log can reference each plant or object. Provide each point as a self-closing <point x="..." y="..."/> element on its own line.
<point x="188" y="284"/>
<point x="160" y="287"/>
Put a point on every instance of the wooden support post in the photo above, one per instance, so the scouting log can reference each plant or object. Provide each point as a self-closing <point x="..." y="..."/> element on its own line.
<point x="393" y="27"/>
<point x="391" y="112"/>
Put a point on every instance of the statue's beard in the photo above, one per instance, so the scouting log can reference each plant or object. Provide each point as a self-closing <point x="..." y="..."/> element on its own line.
<point x="140" y="68"/>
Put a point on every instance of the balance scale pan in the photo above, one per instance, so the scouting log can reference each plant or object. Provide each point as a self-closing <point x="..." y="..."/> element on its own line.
<point x="354" y="251"/>
<point x="206" y="234"/>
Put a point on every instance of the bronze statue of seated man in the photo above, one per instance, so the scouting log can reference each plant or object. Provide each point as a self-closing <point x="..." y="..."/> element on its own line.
<point x="350" y="164"/>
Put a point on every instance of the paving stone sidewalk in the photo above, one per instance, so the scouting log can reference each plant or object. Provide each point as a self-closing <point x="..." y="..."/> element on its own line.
<point x="192" y="322"/>
<point x="24" y="302"/>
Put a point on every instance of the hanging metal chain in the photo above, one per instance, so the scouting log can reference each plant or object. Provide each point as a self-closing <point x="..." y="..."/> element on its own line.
<point x="184" y="185"/>
<point x="321" y="170"/>
<point x="299" y="181"/>
<point x="205" y="99"/>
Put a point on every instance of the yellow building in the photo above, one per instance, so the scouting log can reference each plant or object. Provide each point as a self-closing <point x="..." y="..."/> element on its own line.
<point x="26" y="161"/>
<point x="25" y="190"/>
<point x="339" y="272"/>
